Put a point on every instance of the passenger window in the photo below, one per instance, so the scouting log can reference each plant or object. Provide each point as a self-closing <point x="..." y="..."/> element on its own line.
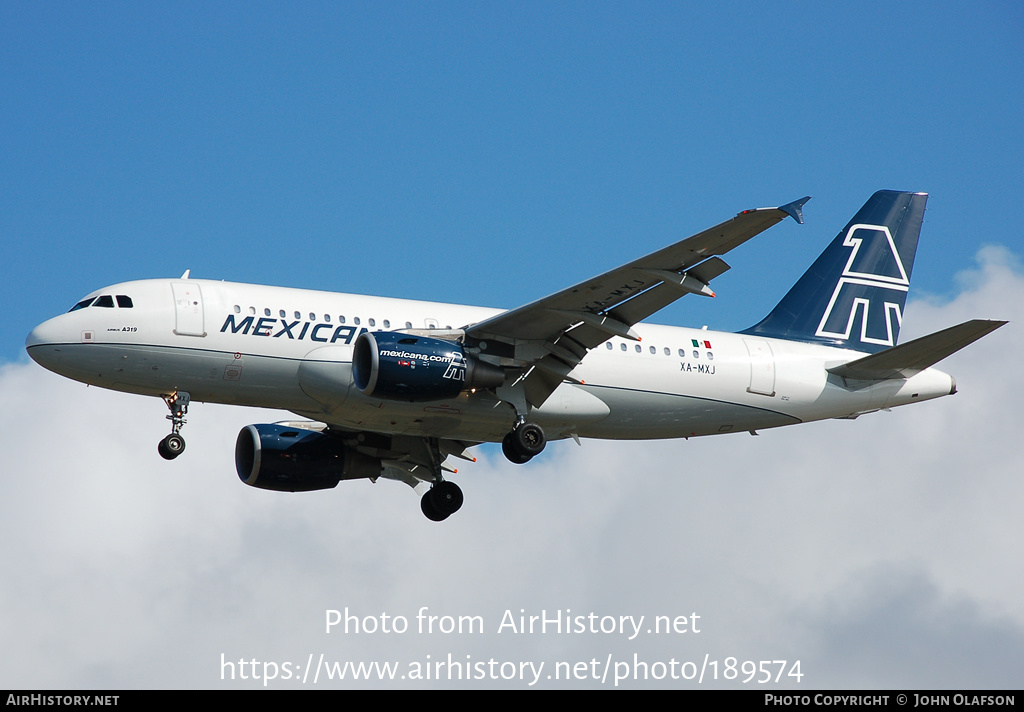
<point x="124" y="301"/>
<point x="387" y="323"/>
<point x="105" y="301"/>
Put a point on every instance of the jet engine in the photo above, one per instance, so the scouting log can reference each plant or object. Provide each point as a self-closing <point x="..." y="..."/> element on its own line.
<point x="387" y="364"/>
<point x="288" y="459"/>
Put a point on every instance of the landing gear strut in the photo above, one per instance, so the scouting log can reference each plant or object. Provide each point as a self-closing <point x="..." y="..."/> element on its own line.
<point x="173" y="445"/>
<point x="524" y="442"/>
<point x="441" y="501"/>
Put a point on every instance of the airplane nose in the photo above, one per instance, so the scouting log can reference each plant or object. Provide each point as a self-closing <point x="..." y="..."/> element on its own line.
<point x="34" y="338"/>
<point x="41" y="340"/>
<point x="43" y="334"/>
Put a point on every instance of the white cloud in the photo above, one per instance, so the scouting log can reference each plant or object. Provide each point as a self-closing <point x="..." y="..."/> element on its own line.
<point x="880" y="552"/>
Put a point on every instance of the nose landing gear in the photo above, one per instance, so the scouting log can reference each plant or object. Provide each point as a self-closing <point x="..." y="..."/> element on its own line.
<point x="173" y="445"/>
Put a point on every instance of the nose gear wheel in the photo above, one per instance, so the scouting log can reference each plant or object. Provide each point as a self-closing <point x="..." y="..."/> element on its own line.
<point x="174" y="444"/>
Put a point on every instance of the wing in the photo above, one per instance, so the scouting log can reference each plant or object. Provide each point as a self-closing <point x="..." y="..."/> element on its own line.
<point x="407" y="458"/>
<point x="549" y="338"/>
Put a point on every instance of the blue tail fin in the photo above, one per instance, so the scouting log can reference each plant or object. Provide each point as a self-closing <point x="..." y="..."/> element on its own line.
<point x="853" y="294"/>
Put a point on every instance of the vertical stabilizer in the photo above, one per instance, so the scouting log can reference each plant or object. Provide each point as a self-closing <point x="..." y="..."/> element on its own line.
<point x="854" y="293"/>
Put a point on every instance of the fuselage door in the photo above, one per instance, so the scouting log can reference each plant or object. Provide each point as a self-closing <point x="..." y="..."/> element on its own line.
<point x="762" y="367"/>
<point x="188" y="309"/>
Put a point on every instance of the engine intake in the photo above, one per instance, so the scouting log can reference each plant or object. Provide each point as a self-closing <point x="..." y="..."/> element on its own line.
<point x="387" y="364"/>
<point x="287" y="459"/>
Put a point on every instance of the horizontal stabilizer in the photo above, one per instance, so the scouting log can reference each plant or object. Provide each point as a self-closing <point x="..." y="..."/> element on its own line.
<point x="907" y="359"/>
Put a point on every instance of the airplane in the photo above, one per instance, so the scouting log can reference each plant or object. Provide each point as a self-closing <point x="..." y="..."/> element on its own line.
<point x="398" y="388"/>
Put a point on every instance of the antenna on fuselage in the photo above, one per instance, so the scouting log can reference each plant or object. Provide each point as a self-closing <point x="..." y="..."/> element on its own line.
<point x="185" y="276"/>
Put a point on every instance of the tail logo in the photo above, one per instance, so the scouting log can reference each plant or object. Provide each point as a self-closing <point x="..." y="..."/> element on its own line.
<point x="879" y="268"/>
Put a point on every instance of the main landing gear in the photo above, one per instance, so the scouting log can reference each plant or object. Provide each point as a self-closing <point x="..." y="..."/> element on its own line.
<point x="441" y="501"/>
<point x="444" y="498"/>
<point x="526" y="441"/>
<point x="173" y="445"/>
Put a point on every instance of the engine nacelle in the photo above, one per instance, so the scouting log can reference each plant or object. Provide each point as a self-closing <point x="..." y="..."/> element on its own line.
<point x="388" y="364"/>
<point x="285" y="459"/>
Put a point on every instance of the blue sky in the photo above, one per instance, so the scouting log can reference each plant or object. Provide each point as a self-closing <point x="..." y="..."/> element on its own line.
<point x="490" y="154"/>
<point x="484" y="154"/>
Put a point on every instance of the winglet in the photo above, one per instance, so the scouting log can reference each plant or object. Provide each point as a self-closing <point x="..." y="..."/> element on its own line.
<point x="795" y="209"/>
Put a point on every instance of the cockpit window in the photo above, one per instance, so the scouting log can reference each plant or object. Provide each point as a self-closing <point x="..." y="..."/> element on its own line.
<point x="82" y="304"/>
<point x="123" y="301"/>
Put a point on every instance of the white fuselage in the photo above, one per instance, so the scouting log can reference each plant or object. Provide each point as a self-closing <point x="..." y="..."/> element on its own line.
<point x="292" y="349"/>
